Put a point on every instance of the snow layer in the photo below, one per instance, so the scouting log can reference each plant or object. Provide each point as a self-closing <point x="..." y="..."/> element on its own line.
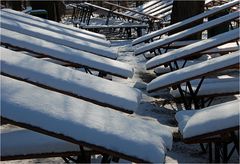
<point x="210" y="119"/>
<point x="81" y="44"/>
<point x="142" y="7"/>
<point x="66" y="53"/>
<point x="183" y="23"/>
<point x="83" y="121"/>
<point x="192" y="48"/>
<point x="25" y="142"/>
<point x="216" y="87"/>
<point x="161" y="42"/>
<point x="196" y="70"/>
<point x="73" y="81"/>
<point x="51" y="24"/>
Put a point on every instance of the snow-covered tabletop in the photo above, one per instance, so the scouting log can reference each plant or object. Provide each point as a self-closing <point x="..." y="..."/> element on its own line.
<point x="81" y="121"/>
<point x="194" y="71"/>
<point x="48" y="24"/>
<point x="67" y="54"/>
<point x="69" y="41"/>
<point x="96" y="89"/>
<point x="193" y="123"/>
<point x="192" y="49"/>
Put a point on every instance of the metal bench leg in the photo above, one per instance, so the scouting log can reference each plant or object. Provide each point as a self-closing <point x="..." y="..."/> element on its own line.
<point x="210" y="152"/>
<point x="217" y="152"/>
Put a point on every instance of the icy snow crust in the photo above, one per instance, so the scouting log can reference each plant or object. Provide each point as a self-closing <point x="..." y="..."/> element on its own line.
<point x="192" y="71"/>
<point x="81" y="44"/>
<point x="83" y="121"/>
<point x="48" y="24"/>
<point x="65" y="53"/>
<point x="67" y="79"/>
<point x="198" y="122"/>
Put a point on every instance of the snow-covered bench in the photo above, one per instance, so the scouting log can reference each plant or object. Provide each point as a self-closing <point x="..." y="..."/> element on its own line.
<point x="18" y="143"/>
<point x="160" y="10"/>
<point x="213" y="125"/>
<point x="210" y="88"/>
<point x="75" y="57"/>
<point x="145" y="7"/>
<point x="166" y="9"/>
<point x="127" y="28"/>
<point x="193" y="49"/>
<point x="180" y="35"/>
<point x="54" y="26"/>
<point x="181" y="24"/>
<point x="139" y="14"/>
<point x="85" y="124"/>
<point x="69" y="81"/>
<point x="110" y="12"/>
<point x="200" y="70"/>
<point x="62" y="39"/>
<point x="156" y="6"/>
<point x="206" y="55"/>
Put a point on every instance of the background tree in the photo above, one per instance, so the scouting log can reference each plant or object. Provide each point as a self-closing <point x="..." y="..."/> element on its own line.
<point x="54" y="8"/>
<point x="185" y="9"/>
